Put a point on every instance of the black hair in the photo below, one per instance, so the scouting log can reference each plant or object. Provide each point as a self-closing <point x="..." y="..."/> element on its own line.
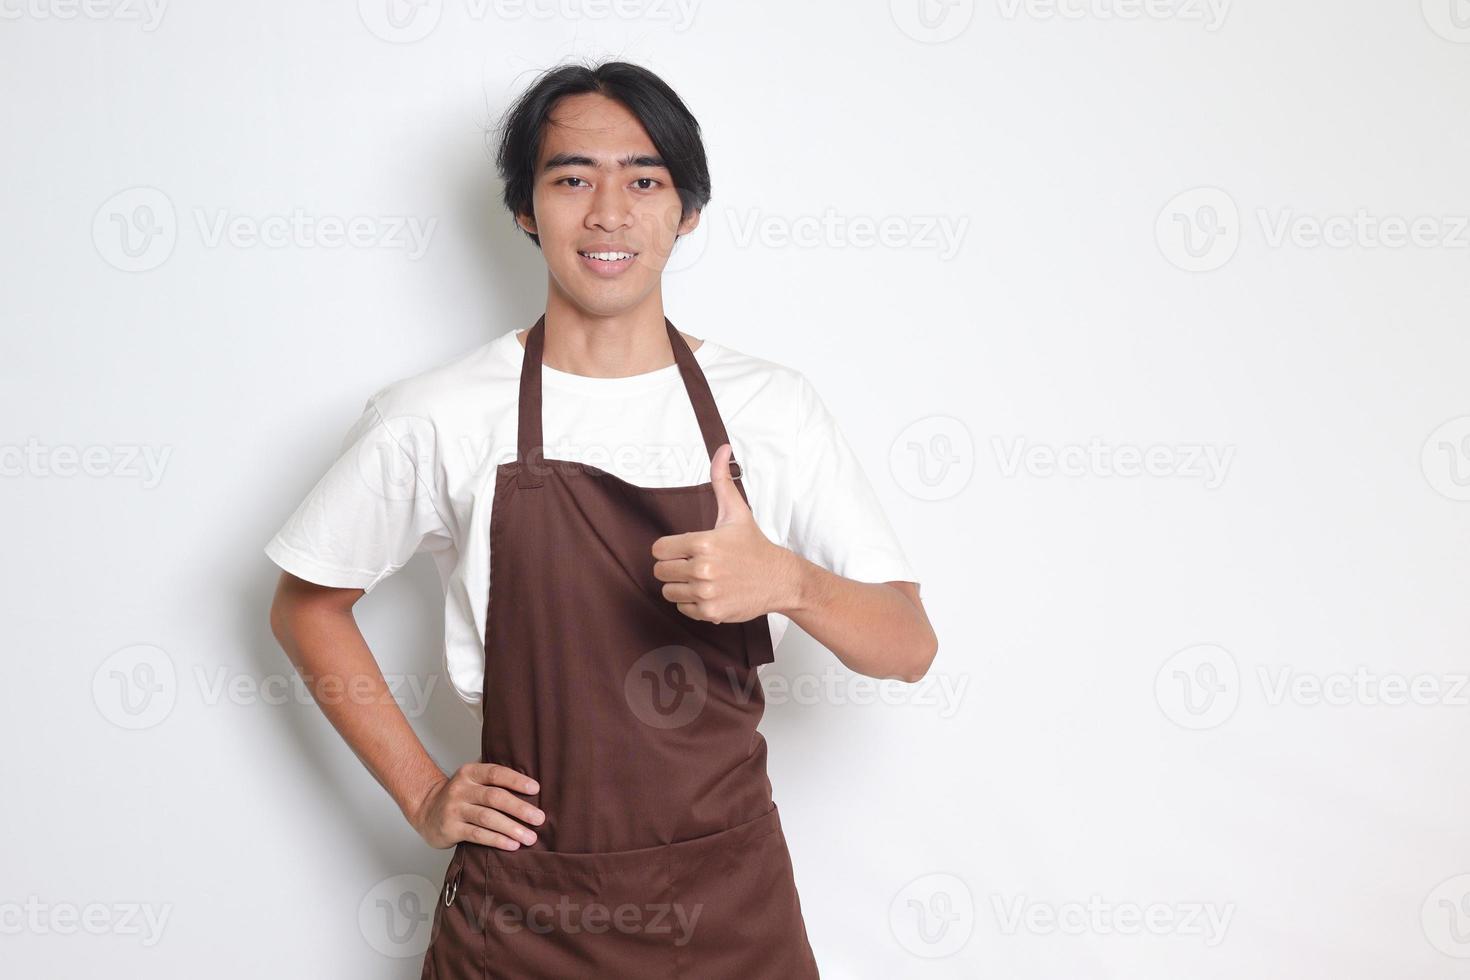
<point x="669" y="123"/>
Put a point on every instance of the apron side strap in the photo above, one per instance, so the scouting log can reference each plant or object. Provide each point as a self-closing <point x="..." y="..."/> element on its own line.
<point x="757" y="631"/>
<point x="757" y="642"/>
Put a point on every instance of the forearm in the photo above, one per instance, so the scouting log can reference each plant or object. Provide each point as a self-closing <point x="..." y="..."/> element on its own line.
<point x="344" y="678"/>
<point x="873" y="628"/>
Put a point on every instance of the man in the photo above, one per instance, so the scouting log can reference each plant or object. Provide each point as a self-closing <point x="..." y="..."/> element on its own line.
<point x="637" y="576"/>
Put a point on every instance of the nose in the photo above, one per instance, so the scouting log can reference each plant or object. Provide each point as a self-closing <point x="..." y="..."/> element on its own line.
<point x="611" y="208"/>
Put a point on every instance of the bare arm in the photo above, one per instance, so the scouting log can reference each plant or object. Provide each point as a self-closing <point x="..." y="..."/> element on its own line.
<point x="879" y="629"/>
<point x="733" y="573"/>
<point x="315" y="627"/>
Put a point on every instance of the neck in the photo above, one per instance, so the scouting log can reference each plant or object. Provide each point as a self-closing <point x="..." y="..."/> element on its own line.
<point x="630" y="342"/>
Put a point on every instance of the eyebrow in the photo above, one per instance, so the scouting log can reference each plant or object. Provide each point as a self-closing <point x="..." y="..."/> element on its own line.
<point x="558" y="160"/>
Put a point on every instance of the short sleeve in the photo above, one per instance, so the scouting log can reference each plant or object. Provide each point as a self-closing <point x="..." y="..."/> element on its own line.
<point x="371" y="511"/>
<point x="837" y="521"/>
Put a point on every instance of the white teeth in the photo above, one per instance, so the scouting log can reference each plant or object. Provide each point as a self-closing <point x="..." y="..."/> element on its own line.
<point x="608" y="256"/>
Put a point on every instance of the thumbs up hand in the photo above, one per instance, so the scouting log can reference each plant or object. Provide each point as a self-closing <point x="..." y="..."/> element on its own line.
<point x="733" y="508"/>
<point x="730" y="573"/>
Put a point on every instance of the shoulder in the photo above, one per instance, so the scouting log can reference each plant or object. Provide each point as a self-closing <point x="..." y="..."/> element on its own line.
<point x="441" y="391"/>
<point x="741" y="378"/>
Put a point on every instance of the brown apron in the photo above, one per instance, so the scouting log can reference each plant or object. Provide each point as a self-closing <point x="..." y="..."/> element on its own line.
<point x="662" y="854"/>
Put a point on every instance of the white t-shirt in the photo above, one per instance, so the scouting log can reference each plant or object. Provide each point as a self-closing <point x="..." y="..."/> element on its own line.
<point x="417" y="473"/>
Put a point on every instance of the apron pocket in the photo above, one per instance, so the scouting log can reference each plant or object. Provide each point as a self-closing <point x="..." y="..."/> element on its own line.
<point x="743" y="890"/>
<point x="640" y="913"/>
<point x="553" y="915"/>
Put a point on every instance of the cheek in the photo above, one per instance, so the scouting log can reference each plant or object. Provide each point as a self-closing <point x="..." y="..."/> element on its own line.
<point x="658" y="224"/>
<point x="557" y="210"/>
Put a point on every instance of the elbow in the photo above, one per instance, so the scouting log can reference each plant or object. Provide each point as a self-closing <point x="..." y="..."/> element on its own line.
<point x="917" y="665"/>
<point x="913" y="663"/>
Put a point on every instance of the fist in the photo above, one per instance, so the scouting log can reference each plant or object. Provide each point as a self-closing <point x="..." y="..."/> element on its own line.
<point x="730" y="573"/>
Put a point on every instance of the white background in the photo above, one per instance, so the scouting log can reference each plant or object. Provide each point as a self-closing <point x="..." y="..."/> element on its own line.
<point x="1104" y="724"/>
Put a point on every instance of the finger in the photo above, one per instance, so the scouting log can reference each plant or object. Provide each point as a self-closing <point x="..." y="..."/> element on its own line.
<point x="495" y="821"/>
<point x="508" y="803"/>
<point x="684" y="545"/>
<point x="674" y="569"/>
<point x="683" y="592"/>
<point x="732" y="506"/>
<point x="494" y="774"/>
<point x="694" y="611"/>
<point x="491" y="838"/>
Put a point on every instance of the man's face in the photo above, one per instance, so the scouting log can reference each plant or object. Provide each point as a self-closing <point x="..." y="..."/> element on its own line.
<point x="602" y="188"/>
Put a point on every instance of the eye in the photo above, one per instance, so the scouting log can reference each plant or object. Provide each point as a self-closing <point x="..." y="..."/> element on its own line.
<point x="646" y="180"/>
<point x="565" y="179"/>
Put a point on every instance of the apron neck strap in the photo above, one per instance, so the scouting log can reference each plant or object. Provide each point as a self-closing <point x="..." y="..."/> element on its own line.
<point x="530" y="447"/>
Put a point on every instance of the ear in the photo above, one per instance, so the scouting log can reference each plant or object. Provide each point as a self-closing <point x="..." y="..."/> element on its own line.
<point x="527" y="223"/>
<point x="690" y="223"/>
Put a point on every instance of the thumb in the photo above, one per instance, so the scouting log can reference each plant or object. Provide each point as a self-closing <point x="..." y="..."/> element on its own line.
<point x="732" y="506"/>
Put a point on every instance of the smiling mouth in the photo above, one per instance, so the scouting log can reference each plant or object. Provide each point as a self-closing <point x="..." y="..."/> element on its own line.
<point x="607" y="265"/>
